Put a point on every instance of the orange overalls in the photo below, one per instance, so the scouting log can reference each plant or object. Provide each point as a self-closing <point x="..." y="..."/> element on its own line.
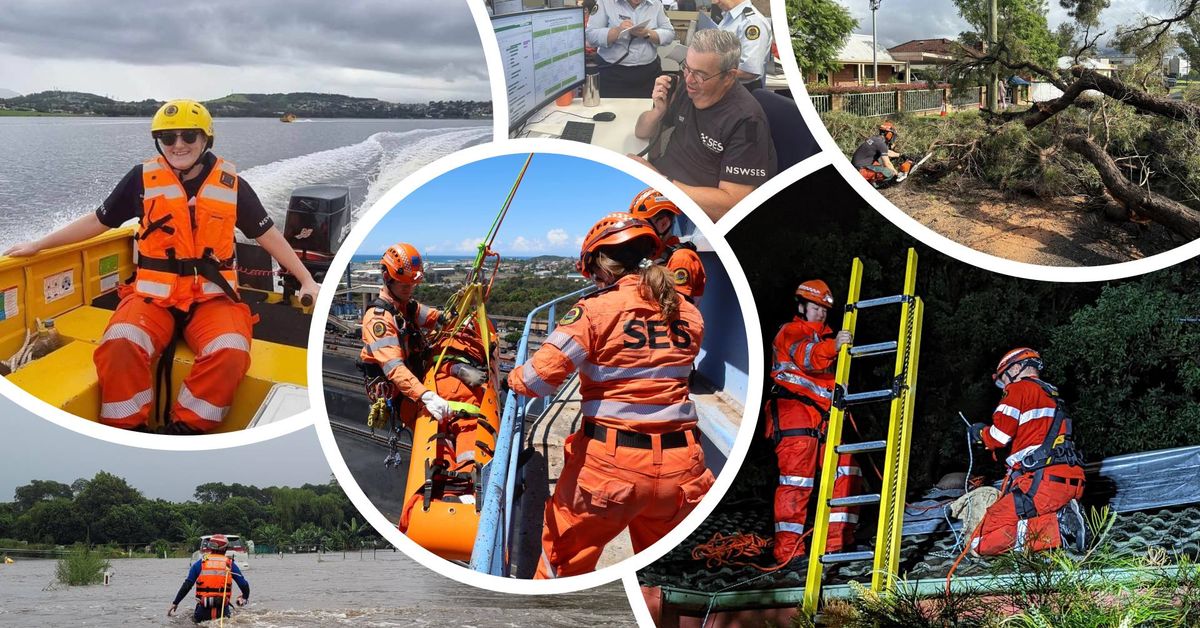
<point x="185" y="276"/>
<point x="803" y="357"/>
<point x="388" y="344"/>
<point x="464" y="348"/>
<point x="637" y="460"/>
<point x="686" y="268"/>
<point x="1025" y="516"/>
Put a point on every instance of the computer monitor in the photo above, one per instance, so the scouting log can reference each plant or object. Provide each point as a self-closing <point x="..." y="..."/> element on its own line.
<point x="505" y="7"/>
<point x="542" y="55"/>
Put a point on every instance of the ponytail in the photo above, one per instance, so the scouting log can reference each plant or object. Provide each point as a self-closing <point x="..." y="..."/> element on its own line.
<point x="656" y="284"/>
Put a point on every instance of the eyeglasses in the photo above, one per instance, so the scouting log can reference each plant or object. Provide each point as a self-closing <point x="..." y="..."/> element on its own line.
<point x="688" y="72"/>
<point x="168" y="138"/>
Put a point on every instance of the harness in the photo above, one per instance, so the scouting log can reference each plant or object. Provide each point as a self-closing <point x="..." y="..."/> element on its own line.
<point x="417" y="357"/>
<point x="207" y="266"/>
<point x="779" y="392"/>
<point x="1054" y="450"/>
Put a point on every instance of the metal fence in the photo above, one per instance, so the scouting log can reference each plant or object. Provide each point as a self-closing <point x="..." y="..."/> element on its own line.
<point x="923" y="100"/>
<point x="965" y="96"/>
<point x="871" y="104"/>
<point x="821" y="102"/>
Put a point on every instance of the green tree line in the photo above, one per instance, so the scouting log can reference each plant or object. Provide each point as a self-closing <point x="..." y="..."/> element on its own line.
<point x="513" y="296"/>
<point x="107" y="510"/>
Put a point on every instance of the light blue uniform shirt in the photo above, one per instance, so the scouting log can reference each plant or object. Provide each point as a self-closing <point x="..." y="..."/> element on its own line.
<point x="754" y="32"/>
<point x="610" y="13"/>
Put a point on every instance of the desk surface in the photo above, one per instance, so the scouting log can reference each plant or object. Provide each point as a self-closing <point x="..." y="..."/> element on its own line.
<point x="616" y="134"/>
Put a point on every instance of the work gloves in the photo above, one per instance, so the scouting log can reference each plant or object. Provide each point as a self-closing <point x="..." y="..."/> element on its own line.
<point x="468" y="374"/>
<point x="976" y="433"/>
<point x="438" y="408"/>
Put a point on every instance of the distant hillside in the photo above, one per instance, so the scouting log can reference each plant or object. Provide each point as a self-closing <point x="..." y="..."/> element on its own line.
<point x="8" y="93"/>
<point x="301" y="104"/>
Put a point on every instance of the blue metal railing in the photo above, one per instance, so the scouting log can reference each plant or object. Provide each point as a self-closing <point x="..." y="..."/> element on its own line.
<point x="491" y="554"/>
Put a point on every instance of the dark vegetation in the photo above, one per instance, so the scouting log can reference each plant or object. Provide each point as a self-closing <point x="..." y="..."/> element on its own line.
<point x="515" y="296"/>
<point x="302" y="104"/>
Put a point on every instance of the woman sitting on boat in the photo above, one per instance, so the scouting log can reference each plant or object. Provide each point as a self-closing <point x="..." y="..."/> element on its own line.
<point x="637" y="460"/>
<point x="187" y="201"/>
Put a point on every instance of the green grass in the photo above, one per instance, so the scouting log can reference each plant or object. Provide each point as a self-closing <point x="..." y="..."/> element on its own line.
<point x="81" y="566"/>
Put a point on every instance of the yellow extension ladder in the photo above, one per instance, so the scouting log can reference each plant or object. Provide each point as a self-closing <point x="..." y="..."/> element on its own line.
<point x="891" y="498"/>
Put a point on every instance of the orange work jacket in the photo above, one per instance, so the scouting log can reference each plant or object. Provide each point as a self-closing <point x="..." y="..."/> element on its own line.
<point x="388" y="342"/>
<point x="802" y="359"/>
<point x="633" y="365"/>
<point x="186" y="247"/>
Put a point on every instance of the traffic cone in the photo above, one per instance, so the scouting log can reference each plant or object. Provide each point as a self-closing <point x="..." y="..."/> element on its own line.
<point x="943" y="114"/>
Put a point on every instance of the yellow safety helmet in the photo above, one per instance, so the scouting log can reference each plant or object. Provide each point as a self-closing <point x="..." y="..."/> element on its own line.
<point x="183" y="114"/>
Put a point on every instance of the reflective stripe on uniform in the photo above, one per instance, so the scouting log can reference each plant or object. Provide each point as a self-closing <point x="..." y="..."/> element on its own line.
<point x="601" y="373"/>
<point x="386" y="341"/>
<point x="165" y="191"/>
<point x="1022" y="532"/>
<point x="808" y="351"/>
<point x="1008" y="410"/>
<point x="128" y="407"/>
<point x="843" y="517"/>
<point x="848" y="471"/>
<point x="999" y="435"/>
<point x="549" y="567"/>
<point x="156" y="288"/>
<point x="132" y="333"/>
<point x="151" y="166"/>
<point x="534" y="382"/>
<point x="685" y="411"/>
<point x="226" y="341"/>
<point x="573" y="350"/>
<point x="788" y="526"/>
<point x="225" y="195"/>
<point x="211" y="288"/>
<point x="391" y="364"/>
<point x="202" y="408"/>
<point x="422" y="314"/>
<point x="228" y="167"/>
<point x="807" y="384"/>
<point x="796" y="480"/>
<point x="1018" y="456"/>
<point x="1036" y="413"/>
<point x="465" y="456"/>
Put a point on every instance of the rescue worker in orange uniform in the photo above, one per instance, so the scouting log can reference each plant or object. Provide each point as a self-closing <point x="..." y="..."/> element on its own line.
<point x="213" y="576"/>
<point x="681" y="258"/>
<point x="1039" y="506"/>
<point x="187" y="202"/>
<point x="637" y="461"/>
<point x="393" y="334"/>
<point x="803" y="358"/>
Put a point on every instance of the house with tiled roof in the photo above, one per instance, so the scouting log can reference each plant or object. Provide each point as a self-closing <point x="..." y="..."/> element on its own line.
<point x="857" y="67"/>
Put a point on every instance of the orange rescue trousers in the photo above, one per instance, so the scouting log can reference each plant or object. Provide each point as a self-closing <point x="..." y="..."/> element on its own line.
<point x="219" y="333"/>
<point x="1004" y="528"/>
<point x="605" y="488"/>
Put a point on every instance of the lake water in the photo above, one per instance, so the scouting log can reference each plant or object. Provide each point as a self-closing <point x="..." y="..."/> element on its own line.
<point x="298" y="590"/>
<point x="53" y="170"/>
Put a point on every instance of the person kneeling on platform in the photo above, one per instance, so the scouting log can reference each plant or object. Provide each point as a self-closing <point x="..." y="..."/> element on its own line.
<point x="710" y="138"/>
<point x="213" y="576"/>
<point x="637" y="461"/>
<point x="1038" y="508"/>
<point x="187" y="201"/>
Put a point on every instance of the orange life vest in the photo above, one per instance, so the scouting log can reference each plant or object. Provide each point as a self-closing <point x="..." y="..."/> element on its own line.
<point x="215" y="581"/>
<point x="186" y="251"/>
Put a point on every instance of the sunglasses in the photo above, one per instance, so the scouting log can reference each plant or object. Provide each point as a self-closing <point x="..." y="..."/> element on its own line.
<point x="168" y="138"/>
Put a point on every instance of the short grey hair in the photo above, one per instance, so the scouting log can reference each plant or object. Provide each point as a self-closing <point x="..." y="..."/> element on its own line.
<point x="724" y="43"/>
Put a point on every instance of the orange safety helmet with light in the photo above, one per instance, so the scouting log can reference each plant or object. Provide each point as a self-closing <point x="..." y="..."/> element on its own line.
<point x="217" y="543"/>
<point x="886" y="127"/>
<point x="179" y="115"/>
<point x="402" y="263"/>
<point x="650" y="203"/>
<point x="1021" y="355"/>
<point x="612" y="230"/>
<point x="816" y="291"/>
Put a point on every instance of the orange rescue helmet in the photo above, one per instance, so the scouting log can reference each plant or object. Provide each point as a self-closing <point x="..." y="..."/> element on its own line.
<point x="816" y="291"/>
<point x="616" y="229"/>
<point x="1020" y="355"/>
<point x="886" y="127"/>
<point x="650" y="203"/>
<point x="402" y="263"/>
<point x="217" y="543"/>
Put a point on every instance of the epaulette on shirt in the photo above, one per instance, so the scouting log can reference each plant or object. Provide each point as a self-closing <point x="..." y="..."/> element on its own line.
<point x="748" y="11"/>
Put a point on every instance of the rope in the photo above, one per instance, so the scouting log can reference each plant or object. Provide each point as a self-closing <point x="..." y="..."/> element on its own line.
<point x="723" y="550"/>
<point x="258" y="272"/>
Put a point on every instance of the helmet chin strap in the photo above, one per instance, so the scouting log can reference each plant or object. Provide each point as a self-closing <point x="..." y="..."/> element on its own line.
<point x="179" y="173"/>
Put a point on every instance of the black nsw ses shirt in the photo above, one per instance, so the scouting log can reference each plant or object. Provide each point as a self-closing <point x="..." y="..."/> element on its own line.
<point x="729" y="141"/>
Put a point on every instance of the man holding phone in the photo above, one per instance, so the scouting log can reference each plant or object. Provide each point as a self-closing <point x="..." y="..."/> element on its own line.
<point x="626" y="34"/>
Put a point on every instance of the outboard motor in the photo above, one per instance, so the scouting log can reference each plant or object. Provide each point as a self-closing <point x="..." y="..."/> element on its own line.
<point x="318" y="218"/>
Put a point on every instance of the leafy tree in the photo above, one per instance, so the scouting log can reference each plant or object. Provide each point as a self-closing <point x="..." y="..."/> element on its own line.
<point x="162" y="517"/>
<point x="55" y="521"/>
<point x="40" y="490"/>
<point x="103" y="492"/>
<point x="272" y="535"/>
<point x="308" y="535"/>
<point x="190" y="531"/>
<point x="1022" y="28"/>
<point x="122" y="524"/>
<point x="819" y="30"/>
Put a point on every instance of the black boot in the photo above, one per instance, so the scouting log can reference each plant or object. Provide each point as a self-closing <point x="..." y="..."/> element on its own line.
<point x="1072" y="527"/>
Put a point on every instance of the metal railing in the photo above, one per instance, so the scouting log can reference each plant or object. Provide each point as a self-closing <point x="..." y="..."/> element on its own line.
<point x="966" y="96"/>
<point x="821" y="102"/>
<point x="923" y="100"/>
<point x="491" y="552"/>
<point x="870" y="104"/>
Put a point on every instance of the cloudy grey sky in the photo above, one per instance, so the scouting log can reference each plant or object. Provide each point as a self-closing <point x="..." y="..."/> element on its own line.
<point x="36" y="449"/>
<point x="394" y="50"/>
<point x="899" y="21"/>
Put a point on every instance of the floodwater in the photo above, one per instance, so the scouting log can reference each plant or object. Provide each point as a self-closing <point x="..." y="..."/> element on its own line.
<point x="381" y="589"/>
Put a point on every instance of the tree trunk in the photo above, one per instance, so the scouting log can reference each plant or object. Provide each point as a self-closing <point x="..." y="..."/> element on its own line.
<point x="1175" y="216"/>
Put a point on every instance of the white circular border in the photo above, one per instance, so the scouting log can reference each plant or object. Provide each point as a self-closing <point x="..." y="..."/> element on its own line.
<point x="929" y="237"/>
<point x="388" y="203"/>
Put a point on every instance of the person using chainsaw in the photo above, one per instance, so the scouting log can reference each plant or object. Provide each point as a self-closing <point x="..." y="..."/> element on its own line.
<point x="1038" y="507"/>
<point x="187" y="202"/>
<point x="680" y="257"/>
<point x="804" y="354"/>
<point x="395" y="353"/>
<point x="873" y="158"/>
<point x="637" y="461"/>
<point x="213" y="575"/>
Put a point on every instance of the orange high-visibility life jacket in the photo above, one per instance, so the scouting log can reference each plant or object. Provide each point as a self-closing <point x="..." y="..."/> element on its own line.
<point x="186" y="250"/>
<point x="215" y="580"/>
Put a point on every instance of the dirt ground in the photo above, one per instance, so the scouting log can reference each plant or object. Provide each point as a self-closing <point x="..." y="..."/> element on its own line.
<point x="1053" y="232"/>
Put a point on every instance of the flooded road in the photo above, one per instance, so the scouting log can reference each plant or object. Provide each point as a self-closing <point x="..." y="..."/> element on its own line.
<point x="298" y="590"/>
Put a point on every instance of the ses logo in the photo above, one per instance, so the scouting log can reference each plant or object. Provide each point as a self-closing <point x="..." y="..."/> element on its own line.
<point x="711" y="144"/>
